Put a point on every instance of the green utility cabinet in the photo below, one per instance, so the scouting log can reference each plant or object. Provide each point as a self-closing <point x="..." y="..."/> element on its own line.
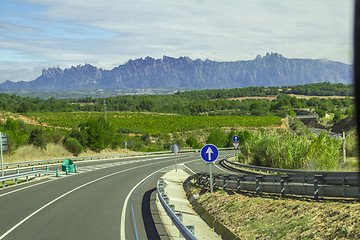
<point x="69" y="164"/>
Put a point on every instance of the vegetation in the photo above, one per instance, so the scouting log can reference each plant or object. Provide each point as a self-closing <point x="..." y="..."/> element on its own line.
<point x="190" y="119"/>
<point x="212" y="102"/>
<point x="322" y="89"/>
<point x="270" y="217"/>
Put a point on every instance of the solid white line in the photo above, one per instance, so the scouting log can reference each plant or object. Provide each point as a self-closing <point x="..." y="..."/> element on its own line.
<point x="67" y="193"/>
<point x="183" y="164"/>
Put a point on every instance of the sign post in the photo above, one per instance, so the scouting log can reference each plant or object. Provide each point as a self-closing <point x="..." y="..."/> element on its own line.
<point x="236" y="145"/>
<point x="3" y="147"/>
<point x="175" y="149"/>
<point x="209" y="153"/>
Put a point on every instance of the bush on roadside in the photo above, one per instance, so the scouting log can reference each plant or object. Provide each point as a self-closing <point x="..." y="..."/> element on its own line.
<point x="73" y="146"/>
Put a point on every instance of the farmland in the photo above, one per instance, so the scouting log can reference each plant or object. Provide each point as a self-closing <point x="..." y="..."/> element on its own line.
<point x="154" y="123"/>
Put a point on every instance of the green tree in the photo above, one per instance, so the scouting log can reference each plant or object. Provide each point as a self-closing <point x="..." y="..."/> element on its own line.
<point x="36" y="138"/>
<point x="337" y="116"/>
<point x="98" y="133"/>
<point x="218" y="138"/>
<point x="320" y="112"/>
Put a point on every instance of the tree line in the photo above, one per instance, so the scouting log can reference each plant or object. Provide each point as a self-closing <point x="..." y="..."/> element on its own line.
<point x="212" y="102"/>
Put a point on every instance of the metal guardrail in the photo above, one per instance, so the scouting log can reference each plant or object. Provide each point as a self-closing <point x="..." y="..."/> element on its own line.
<point x="29" y="163"/>
<point x="186" y="233"/>
<point x="25" y="175"/>
<point x="296" y="182"/>
<point x="287" y="171"/>
<point x="317" y="185"/>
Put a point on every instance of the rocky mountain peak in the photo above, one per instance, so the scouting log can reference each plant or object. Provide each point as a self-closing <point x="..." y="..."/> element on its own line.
<point x="273" y="69"/>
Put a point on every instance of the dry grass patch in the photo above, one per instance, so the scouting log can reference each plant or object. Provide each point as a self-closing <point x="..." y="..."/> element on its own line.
<point x="32" y="153"/>
<point x="52" y="151"/>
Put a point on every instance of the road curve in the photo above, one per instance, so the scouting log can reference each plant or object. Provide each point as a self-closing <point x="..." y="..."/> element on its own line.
<point x="105" y="200"/>
<point x="87" y="205"/>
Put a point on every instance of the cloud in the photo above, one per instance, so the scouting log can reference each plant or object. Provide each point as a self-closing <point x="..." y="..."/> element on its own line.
<point x="110" y="32"/>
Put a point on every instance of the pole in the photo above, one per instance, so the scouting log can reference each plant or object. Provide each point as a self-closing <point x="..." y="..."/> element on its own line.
<point x="175" y="162"/>
<point x="344" y="148"/>
<point x="1" y="149"/>
<point x="211" y="178"/>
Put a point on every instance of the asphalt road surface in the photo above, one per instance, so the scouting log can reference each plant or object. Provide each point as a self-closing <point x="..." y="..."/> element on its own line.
<point x="110" y="199"/>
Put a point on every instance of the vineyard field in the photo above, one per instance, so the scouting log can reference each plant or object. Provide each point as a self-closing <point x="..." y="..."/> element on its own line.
<point x="154" y="123"/>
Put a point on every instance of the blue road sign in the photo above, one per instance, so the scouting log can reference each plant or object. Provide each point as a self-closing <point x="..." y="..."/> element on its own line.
<point x="209" y="153"/>
<point x="235" y="138"/>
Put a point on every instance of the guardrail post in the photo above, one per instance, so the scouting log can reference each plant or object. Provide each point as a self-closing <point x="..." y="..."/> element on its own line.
<point x="238" y="181"/>
<point x="3" y="184"/>
<point x="191" y="228"/>
<point x="224" y="182"/>
<point x="258" y="179"/>
<point x="179" y="216"/>
<point x="317" y="179"/>
<point x="344" y="183"/>
<point x="57" y="172"/>
<point x="282" y="185"/>
<point x="166" y="199"/>
<point x="316" y="189"/>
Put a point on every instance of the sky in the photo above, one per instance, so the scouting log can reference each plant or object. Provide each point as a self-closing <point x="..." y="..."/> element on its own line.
<point x="38" y="34"/>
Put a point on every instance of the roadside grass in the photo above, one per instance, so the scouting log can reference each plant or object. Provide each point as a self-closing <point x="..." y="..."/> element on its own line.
<point x="52" y="151"/>
<point x="31" y="152"/>
<point x="250" y="216"/>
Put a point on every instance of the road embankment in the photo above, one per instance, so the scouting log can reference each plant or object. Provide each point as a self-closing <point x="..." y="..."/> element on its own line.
<point x="250" y="216"/>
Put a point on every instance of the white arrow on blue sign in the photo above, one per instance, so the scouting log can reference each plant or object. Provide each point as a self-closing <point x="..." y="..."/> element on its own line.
<point x="209" y="153"/>
<point x="235" y="138"/>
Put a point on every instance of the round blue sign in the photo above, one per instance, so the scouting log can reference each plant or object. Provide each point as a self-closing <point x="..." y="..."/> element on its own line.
<point x="209" y="153"/>
<point x="235" y="138"/>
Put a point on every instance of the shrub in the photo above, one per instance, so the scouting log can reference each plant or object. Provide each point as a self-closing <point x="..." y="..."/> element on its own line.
<point x="192" y="142"/>
<point x="73" y="146"/>
<point x="36" y="138"/>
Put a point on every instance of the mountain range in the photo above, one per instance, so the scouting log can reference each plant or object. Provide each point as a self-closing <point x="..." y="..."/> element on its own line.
<point x="273" y="69"/>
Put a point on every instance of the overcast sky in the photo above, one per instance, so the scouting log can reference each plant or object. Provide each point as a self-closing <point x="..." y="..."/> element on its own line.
<point x="37" y="34"/>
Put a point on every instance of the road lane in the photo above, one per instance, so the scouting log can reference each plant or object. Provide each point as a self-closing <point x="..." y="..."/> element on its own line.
<point x="92" y="211"/>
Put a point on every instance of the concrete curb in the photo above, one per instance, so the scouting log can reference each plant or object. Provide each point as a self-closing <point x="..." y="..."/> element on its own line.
<point x="219" y="228"/>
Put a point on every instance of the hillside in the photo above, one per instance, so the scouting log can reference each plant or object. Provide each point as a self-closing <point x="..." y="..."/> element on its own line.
<point x="185" y="73"/>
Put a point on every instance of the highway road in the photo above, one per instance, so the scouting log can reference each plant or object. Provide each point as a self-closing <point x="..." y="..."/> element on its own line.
<point x="110" y="199"/>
